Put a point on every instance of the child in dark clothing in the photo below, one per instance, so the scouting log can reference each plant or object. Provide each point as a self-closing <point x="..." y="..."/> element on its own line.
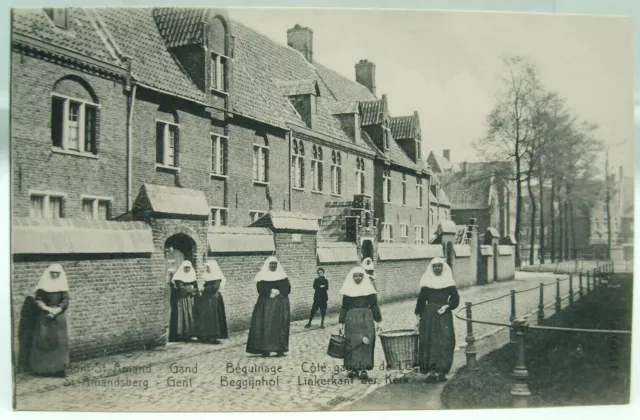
<point x="320" y="297"/>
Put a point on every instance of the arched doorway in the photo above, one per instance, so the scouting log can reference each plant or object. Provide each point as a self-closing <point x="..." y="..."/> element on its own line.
<point x="450" y="255"/>
<point x="367" y="249"/>
<point x="177" y="248"/>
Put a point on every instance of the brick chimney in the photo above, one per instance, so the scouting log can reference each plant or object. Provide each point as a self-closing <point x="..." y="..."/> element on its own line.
<point x="447" y="154"/>
<point x="366" y="75"/>
<point x="301" y="39"/>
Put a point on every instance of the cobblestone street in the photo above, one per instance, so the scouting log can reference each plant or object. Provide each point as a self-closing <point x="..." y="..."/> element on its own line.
<point x="218" y="382"/>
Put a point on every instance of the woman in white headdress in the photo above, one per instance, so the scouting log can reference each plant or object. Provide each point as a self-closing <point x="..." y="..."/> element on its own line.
<point x="271" y="318"/>
<point x="186" y="290"/>
<point x="49" y="353"/>
<point x="359" y="311"/>
<point x="438" y="297"/>
<point x="367" y="265"/>
<point x="211" y="319"/>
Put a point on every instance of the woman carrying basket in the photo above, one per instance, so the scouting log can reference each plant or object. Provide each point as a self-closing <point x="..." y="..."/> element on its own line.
<point x="359" y="310"/>
<point x="438" y="297"/>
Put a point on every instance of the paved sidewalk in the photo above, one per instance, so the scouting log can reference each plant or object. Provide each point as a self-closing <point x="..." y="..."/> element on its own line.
<point x="224" y="378"/>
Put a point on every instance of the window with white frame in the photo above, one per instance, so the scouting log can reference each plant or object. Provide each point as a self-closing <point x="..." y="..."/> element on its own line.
<point x="297" y="164"/>
<point x="418" y="149"/>
<point x="419" y="232"/>
<point x="96" y="208"/>
<point x="404" y="230"/>
<point x="387" y="232"/>
<point x="260" y="163"/>
<point x="255" y="215"/>
<point x="218" y="154"/>
<point x="47" y="206"/>
<point x="386" y="185"/>
<point x="336" y="173"/>
<point x="419" y="191"/>
<point x="386" y="137"/>
<point x="73" y="124"/>
<point x="166" y="143"/>
<point x="218" y="216"/>
<point x="316" y="168"/>
<point x="360" y="177"/>
<point x="404" y="189"/>
<point x="218" y="72"/>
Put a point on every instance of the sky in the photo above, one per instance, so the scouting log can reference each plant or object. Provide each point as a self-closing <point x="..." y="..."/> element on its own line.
<point x="447" y="65"/>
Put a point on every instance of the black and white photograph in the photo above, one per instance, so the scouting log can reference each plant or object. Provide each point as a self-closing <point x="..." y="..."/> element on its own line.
<point x="292" y="209"/>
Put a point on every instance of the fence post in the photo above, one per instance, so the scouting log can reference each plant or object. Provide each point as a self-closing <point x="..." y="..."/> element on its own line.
<point x="588" y="282"/>
<point x="580" y="291"/>
<point x="541" y="305"/>
<point x="512" y="335"/>
<point x="520" y="388"/>
<point x="570" y="289"/>
<point x="470" y="349"/>
<point x="558" y="300"/>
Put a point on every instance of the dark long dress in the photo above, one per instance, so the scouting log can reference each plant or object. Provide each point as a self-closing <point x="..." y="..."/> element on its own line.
<point x="50" y="343"/>
<point x="271" y="319"/>
<point x="211" y="317"/>
<point x="358" y="314"/>
<point x="185" y="309"/>
<point x="437" y="338"/>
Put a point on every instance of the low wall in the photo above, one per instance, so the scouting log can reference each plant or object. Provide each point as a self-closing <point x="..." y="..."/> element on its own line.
<point x="115" y="305"/>
<point x="506" y="263"/>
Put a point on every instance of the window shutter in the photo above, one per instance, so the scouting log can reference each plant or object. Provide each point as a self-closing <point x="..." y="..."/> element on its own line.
<point x="319" y="176"/>
<point x="176" y="146"/>
<point x="266" y="164"/>
<point x="57" y="116"/>
<point x="90" y="130"/>
<point x="223" y="156"/>
<point x="160" y="143"/>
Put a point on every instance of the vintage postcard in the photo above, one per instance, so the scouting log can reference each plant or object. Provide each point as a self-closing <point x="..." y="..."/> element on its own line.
<point x="319" y="209"/>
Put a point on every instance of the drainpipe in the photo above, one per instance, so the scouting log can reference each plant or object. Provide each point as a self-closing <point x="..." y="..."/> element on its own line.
<point x="132" y="99"/>
<point x="290" y="136"/>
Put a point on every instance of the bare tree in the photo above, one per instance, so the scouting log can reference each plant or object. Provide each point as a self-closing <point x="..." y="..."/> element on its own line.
<point x="509" y="127"/>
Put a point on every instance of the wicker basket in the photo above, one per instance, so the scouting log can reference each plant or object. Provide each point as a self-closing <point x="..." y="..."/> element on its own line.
<point x="400" y="348"/>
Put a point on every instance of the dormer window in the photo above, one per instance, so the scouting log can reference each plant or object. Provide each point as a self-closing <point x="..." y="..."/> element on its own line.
<point x="386" y="137"/>
<point x="58" y="16"/>
<point x="418" y="149"/>
<point x="218" y="72"/>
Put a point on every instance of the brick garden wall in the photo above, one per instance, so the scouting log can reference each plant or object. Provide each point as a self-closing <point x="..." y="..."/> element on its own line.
<point x="115" y="304"/>
<point x="506" y="267"/>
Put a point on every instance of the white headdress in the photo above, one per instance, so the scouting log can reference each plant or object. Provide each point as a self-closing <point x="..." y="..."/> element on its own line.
<point x="265" y="273"/>
<point x="213" y="272"/>
<point x="352" y="289"/>
<point x="182" y="275"/>
<point x="445" y="279"/>
<point x="49" y="284"/>
<point x="367" y="264"/>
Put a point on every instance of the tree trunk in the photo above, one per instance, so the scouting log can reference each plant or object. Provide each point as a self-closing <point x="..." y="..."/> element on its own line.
<point x="561" y="226"/>
<point x="566" y="230"/>
<point x="541" y="220"/>
<point x="532" y="239"/>
<point x="552" y="214"/>
<point x="518" y="207"/>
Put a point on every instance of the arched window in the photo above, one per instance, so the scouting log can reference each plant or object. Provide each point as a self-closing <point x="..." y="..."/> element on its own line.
<point x="419" y="191"/>
<point x="360" y="177"/>
<point x="336" y="173"/>
<point x="167" y="137"/>
<point x="404" y="189"/>
<point x="74" y="116"/>
<point x="261" y="160"/>
<point x="386" y="185"/>
<point x="297" y="164"/>
<point x="316" y="168"/>
<point x="218" y="48"/>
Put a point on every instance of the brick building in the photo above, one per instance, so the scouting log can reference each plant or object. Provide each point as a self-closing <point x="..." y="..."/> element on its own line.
<point x="165" y="133"/>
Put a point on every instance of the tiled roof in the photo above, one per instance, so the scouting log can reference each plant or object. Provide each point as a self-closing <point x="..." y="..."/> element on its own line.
<point x="398" y="156"/>
<point x="79" y="236"/>
<point x="298" y="87"/>
<point x="340" y="88"/>
<point x="82" y="35"/>
<point x="465" y="192"/>
<point x="334" y="252"/>
<point x="442" y="198"/>
<point x="442" y="163"/>
<point x="136" y="33"/>
<point x="403" y="127"/>
<point x="180" y="26"/>
<point x="240" y="239"/>
<point x="388" y="252"/>
<point x="174" y="200"/>
<point x="371" y="112"/>
<point x="343" y="107"/>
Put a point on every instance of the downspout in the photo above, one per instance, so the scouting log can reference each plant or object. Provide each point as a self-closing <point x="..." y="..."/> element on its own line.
<point x="290" y="136"/>
<point x="133" y="89"/>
